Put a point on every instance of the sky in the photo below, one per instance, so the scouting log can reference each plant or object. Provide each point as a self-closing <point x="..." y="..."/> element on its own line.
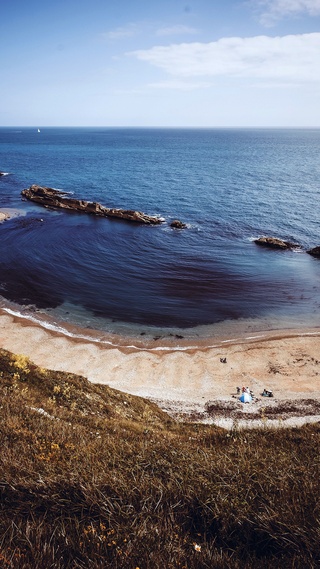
<point x="166" y="63"/>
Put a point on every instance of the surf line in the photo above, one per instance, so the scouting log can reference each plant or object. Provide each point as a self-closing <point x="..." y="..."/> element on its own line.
<point x="234" y="341"/>
<point x="65" y="332"/>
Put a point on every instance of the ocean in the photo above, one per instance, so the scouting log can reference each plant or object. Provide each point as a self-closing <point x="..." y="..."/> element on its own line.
<point x="74" y="271"/>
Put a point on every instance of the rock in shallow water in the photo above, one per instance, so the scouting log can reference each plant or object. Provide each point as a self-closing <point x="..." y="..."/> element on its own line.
<point x="275" y="243"/>
<point x="177" y="224"/>
<point x="315" y="252"/>
<point x="49" y="197"/>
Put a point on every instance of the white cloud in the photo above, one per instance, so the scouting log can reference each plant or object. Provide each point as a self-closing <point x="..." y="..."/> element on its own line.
<point x="122" y="32"/>
<point x="176" y="30"/>
<point x="288" y="58"/>
<point x="273" y="10"/>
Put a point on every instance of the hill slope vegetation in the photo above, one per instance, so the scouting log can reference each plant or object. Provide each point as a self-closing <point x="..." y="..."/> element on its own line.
<point x="95" y="478"/>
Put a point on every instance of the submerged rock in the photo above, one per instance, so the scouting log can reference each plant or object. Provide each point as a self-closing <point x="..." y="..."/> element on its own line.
<point x="315" y="252"/>
<point x="275" y="243"/>
<point x="49" y="197"/>
<point x="177" y="224"/>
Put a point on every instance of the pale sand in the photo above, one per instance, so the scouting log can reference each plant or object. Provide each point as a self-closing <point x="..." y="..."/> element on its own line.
<point x="181" y="378"/>
<point x="3" y="216"/>
<point x="7" y="213"/>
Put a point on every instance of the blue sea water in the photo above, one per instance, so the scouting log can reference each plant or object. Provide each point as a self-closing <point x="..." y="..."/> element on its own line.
<point x="229" y="185"/>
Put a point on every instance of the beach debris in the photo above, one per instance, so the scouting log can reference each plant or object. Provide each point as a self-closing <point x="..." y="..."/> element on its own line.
<point x="178" y="336"/>
<point x="223" y="360"/>
<point x="275" y="243"/>
<point x="315" y="252"/>
<point x="49" y="197"/>
<point x="43" y="412"/>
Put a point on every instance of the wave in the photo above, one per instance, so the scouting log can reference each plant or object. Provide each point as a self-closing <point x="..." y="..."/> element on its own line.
<point x="69" y="192"/>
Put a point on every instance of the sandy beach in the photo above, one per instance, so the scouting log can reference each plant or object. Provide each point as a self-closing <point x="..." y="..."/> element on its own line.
<point x="182" y="379"/>
<point x="3" y="216"/>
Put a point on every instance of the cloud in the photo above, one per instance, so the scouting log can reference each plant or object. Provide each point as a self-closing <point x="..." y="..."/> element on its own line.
<point x="122" y="32"/>
<point x="176" y="30"/>
<point x="274" y="10"/>
<point x="288" y="58"/>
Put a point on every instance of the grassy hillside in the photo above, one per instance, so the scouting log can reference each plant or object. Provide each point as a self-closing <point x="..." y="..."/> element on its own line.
<point x="94" y="478"/>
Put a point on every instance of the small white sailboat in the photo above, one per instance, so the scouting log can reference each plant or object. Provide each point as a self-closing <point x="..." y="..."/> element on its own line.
<point x="38" y="129"/>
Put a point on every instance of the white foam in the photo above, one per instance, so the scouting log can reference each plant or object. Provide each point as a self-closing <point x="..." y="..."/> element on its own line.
<point x="65" y="332"/>
<point x="70" y="192"/>
<point x="254" y="337"/>
<point x="310" y="334"/>
<point x="49" y="326"/>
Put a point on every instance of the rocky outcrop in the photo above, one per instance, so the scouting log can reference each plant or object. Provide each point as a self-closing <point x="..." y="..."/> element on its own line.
<point x="315" y="252"/>
<point x="177" y="224"/>
<point x="49" y="197"/>
<point x="275" y="243"/>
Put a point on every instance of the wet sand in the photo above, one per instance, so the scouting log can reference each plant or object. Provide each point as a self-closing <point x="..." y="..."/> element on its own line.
<point x="179" y="377"/>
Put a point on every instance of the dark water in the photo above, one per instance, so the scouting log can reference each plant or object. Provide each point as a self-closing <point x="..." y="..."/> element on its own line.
<point x="229" y="186"/>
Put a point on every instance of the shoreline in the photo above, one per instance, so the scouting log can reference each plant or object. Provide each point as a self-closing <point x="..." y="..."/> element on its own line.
<point x="183" y="378"/>
<point x="151" y="341"/>
<point x="10" y="212"/>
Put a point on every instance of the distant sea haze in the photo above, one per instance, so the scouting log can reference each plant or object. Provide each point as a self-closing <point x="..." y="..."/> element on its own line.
<point x="229" y="187"/>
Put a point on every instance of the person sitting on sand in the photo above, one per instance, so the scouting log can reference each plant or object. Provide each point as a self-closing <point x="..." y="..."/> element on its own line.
<point x="267" y="393"/>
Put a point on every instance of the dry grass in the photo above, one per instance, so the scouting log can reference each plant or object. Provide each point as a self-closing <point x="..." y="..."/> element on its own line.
<point x="95" y="478"/>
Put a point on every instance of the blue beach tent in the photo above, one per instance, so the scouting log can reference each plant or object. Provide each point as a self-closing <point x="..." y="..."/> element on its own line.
<point x="245" y="398"/>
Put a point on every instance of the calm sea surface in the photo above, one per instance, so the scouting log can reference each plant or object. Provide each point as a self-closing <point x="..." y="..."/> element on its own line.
<point x="229" y="186"/>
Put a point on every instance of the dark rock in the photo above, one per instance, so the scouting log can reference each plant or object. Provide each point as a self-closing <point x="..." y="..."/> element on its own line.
<point x="315" y="252"/>
<point x="275" y="243"/>
<point x="48" y="197"/>
<point x="177" y="224"/>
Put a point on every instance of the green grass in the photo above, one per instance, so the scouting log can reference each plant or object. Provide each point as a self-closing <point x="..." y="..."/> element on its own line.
<point x="94" y="478"/>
